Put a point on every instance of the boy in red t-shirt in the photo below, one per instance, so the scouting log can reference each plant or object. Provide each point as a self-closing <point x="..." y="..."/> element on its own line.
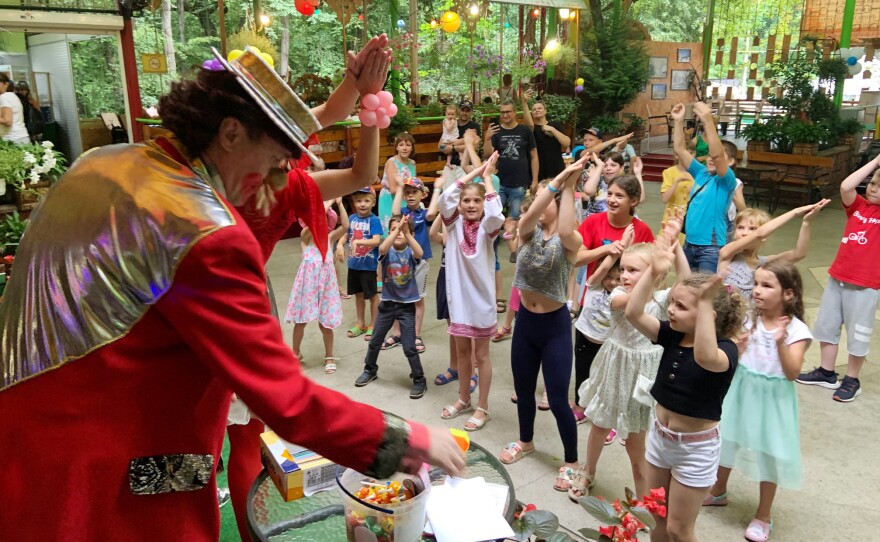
<point x="850" y="298"/>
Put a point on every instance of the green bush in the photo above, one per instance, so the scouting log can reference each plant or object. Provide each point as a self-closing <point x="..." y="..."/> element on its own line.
<point x="610" y="125"/>
<point x="561" y="108"/>
<point x="404" y="121"/>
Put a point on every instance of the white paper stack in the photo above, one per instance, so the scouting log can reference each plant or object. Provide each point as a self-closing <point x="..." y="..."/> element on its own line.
<point x="468" y="510"/>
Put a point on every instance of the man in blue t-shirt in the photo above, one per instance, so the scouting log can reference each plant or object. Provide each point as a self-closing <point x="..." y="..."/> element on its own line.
<point x="705" y="224"/>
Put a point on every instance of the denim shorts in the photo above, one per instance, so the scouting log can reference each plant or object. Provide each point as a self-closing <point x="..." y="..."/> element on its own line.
<point x="702" y="258"/>
<point x="511" y="199"/>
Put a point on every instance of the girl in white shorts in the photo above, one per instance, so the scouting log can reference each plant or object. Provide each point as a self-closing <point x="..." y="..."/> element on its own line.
<point x="697" y="367"/>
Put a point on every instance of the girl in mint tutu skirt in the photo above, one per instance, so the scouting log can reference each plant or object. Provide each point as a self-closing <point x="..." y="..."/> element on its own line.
<point x="760" y="430"/>
<point x="315" y="292"/>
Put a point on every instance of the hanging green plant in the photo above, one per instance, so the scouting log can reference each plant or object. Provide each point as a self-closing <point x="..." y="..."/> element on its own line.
<point x="561" y="56"/>
<point x="832" y="69"/>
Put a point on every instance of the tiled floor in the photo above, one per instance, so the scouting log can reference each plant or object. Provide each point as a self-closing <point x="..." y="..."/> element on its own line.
<point x="838" y="439"/>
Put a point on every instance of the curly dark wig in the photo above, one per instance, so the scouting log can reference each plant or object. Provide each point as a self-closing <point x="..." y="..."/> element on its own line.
<point x="194" y="110"/>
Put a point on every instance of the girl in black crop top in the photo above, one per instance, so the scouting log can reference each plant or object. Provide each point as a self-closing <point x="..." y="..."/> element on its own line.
<point x="696" y="369"/>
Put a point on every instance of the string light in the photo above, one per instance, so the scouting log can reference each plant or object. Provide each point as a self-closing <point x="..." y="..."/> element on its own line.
<point x="474" y="10"/>
<point x="434" y="23"/>
<point x="564" y="13"/>
<point x="265" y="20"/>
<point x="536" y="13"/>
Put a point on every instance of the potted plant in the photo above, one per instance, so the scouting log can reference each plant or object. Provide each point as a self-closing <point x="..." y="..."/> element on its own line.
<point x="759" y="135"/>
<point x="11" y="230"/>
<point x="529" y="66"/>
<point x="610" y="125"/>
<point x="805" y="137"/>
<point x="30" y="170"/>
<point x="832" y="69"/>
<point x="848" y="131"/>
<point x="636" y="126"/>
<point x="562" y="56"/>
<point x="485" y="65"/>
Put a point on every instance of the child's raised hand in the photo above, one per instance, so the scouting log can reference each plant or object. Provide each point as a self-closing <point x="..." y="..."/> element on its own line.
<point x="815" y="208"/>
<point x="637" y="165"/>
<point x="615" y="249"/>
<point x="781" y="328"/>
<point x="677" y="112"/>
<point x="629" y="235"/>
<point x="470" y="136"/>
<point x="663" y="256"/>
<point x="708" y="289"/>
<point x="702" y="110"/>
<point x="672" y="227"/>
<point x="490" y="163"/>
<point x="440" y="181"/>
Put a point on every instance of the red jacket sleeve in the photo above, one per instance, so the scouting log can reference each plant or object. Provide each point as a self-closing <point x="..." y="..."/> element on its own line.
<point x="218" y="302"/>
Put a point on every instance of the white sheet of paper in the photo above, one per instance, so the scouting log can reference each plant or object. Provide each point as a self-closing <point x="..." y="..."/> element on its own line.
<point x="468" y="510"/>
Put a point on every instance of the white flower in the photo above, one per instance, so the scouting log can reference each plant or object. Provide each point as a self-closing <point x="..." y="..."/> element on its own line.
<point x="35" y="177"/>
<point x="50" y="163"/>
<point x="29" y="158"/>
<point x="48" y="144"/>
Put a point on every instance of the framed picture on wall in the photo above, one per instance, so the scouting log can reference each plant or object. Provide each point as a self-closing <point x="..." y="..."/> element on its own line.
<point x="680" y="79"/>
<point x="657" y="67"/>
<point x="684" y="55"/>
<point x="658" y="91"/>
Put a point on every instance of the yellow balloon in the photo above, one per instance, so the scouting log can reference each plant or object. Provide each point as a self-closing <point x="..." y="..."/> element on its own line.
<point x="234" y="54"/>
<point x="450" y="21"/>
<point x="256" y="50"/>
<point x="268" y="58"/>
<point x="579" y="81"/>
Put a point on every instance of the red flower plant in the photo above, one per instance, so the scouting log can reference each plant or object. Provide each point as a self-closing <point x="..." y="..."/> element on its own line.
<point x="625" y="518"/>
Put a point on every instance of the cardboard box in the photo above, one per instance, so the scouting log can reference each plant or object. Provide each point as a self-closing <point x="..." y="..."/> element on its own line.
<point x="296" y="471"/>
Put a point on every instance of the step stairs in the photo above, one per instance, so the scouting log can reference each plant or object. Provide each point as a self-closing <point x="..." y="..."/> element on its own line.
<point x="654" y="164"/>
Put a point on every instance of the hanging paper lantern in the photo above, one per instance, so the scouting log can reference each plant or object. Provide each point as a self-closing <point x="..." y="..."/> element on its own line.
<point x="361" y="17"/>
<point x="450" y="21"/>
<point x="400" y="24"/>
<point x="317" y="12"/>
<point x="314" y="3"/>
<point x="304" y="7"/>
<point x="579" y="81"/>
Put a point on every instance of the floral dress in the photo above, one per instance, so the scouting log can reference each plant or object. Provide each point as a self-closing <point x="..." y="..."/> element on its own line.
<point x="315" y="292"/>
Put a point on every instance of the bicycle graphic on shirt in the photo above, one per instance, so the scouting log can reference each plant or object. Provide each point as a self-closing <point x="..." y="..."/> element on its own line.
<point x="858" y="237"/>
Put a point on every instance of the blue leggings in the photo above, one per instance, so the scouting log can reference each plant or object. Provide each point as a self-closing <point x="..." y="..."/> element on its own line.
<point x="544" y="340"/>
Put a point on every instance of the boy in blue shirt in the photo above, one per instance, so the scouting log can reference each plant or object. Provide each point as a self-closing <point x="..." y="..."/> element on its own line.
<point x="413" y="191"/>
<point x="365" y="233"/>
<point x="399" y="255"/>
<point x="705" y="224"/>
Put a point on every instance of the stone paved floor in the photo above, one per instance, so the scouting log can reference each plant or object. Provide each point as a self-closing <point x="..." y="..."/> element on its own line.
<point x="838" y="439"/>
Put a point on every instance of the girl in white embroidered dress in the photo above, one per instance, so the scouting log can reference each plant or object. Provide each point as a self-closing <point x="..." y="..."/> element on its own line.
<point x="472" y="215"/>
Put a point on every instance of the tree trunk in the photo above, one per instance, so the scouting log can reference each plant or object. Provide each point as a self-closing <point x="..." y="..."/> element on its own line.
<point x="285" y="46"/>
<point x="169" y="38"/>
<point x="181" y="21"/>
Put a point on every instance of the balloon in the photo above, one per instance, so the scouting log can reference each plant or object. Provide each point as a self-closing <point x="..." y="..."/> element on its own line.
<point x="370" y="101"/>
<point x="400" y="23"/>
<point x="368" y="118"/>
<point x="268" y="58"/>
<point x="384" y="122"/>
<point x="256" y="50"/>
<point x="579" y="81"/>
<point x="852" y="60"/>
<point x="392" y="109"/>
<point x="234" y="54"/>
<point x="381" y="112"/>
<point x="385" y="98"/>
<point x="579" y="88"/>
<point x="450" y="21"/>
<point x="304" y="7"/>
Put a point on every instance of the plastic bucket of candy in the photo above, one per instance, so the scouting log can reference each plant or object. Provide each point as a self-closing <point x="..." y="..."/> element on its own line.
<point x="391" y="510"/>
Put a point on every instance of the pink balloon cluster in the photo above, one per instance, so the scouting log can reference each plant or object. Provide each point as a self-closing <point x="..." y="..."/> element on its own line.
<point x="377" y="109"/>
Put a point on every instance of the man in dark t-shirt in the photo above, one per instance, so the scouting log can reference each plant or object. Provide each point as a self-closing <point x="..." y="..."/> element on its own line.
<point x="465" y="112"/>
<point x="517" y="158"/>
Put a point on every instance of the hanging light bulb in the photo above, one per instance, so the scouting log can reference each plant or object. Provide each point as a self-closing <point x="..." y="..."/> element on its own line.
<point x="474" y="10"/>
<point x="434" y="23"/>
<point x="265" y="20"/>
<point x="536" y="13"/>
<point x="563" y="13"/>
<point x="573" y="15"/>
<point x="552" y="45"/>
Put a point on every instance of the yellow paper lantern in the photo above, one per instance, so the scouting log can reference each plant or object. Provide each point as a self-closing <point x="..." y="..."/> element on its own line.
<point x="450" y="21"/>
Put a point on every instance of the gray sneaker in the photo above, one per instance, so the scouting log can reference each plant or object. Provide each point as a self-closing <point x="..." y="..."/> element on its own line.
<point x="418" y="388"/>
<point x="850" y="388"/>
<point x="223" y="496"/>
<point x="817" y="378"/>
<point x="365" y="378"/>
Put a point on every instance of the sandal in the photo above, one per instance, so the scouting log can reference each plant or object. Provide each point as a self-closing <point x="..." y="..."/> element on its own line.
<point x="455" y="412"/>
<point x="503" y="332"/>
<point x="758" y="531"/>
<point x="420" y="346"/>
<point x="442" y="379"/>
<point x="581" y="483"/>
<point x="368" y="334"/>
<point x="543" y="404"/>
<point x="475" y="381"/>
<point x="579" y="416"/>
<point x="513" y="398"/>
<point x="477" y="423"/>
<point x="609" y="439"/>
<point x="623" y="442"/>
<point x="344" y="295"/>
<point x="330" y="365"/>
<point x="715" y="500"/>
<point x="564" y="479"/>
<point x="514" y="452"/>
<point x="500" y="306"/>
<point x="574" y="314"/>
<point x="356" y="331"/>
<point x="391" y="342"/>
